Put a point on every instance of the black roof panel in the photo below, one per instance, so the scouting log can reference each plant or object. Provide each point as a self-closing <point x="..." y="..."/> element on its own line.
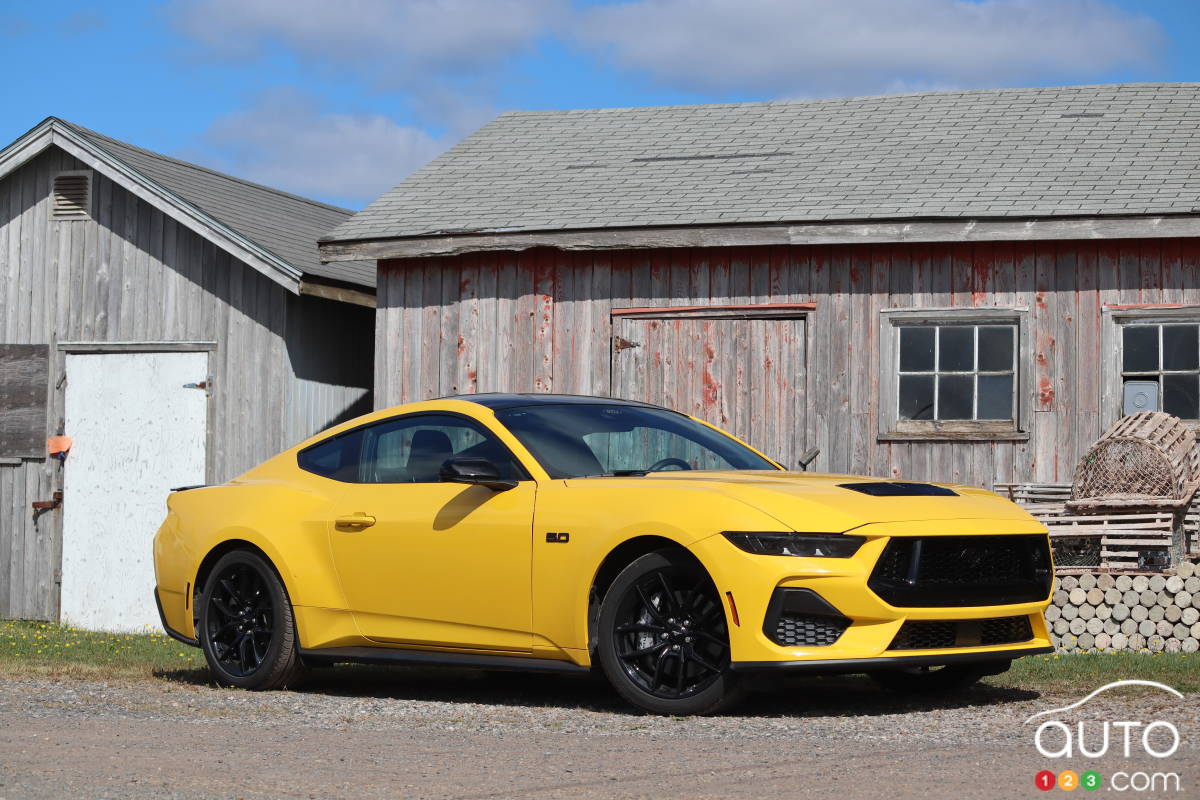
<point x="499" y="400"/>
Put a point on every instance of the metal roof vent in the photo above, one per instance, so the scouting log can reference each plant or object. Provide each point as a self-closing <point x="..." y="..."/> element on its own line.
<point x="72" y="195"/>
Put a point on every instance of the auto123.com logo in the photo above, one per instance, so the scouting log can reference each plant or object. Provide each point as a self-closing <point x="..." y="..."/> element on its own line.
<point x="1141" y="742"/>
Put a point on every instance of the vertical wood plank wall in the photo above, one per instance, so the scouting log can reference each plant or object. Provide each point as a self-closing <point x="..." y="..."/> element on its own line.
<point x="331" y="357"/>
<point x="132" y="274"/>
<point x="539" y="321"/>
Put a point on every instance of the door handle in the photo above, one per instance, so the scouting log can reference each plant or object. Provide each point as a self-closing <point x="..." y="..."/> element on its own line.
<point x="357" y="521"/>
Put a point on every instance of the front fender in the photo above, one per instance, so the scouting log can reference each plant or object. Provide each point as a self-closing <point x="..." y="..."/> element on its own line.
<point x="599" y="516"/>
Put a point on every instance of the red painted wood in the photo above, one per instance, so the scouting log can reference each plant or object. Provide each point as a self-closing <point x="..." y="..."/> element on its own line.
<point x="1129" y="306"/>
<point x="684" y="310"/>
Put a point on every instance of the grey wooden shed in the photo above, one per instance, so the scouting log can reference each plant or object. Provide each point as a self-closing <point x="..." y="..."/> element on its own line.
<point x="966" y="286"/>
<point x="176" y="324"/>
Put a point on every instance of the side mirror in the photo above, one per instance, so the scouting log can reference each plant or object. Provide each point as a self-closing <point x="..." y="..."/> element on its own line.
<point x="474" y="470"/>
<point x="809" y="456"/>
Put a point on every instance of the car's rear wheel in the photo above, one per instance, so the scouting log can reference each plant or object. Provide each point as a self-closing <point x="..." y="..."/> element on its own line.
<point x="246" y="628"/>
<point x="943" y="679"/>
<point x="662" y="640"/>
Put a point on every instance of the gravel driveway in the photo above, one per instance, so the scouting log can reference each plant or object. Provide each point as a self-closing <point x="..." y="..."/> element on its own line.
<point x="365" y="733"/>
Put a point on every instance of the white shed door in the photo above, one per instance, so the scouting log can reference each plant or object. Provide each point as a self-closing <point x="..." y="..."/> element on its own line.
<point x="137" y="433"/>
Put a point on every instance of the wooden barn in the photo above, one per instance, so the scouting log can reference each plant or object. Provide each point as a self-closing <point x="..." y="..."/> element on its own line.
<point x="965" y="286"/>
<point x="176" y="326"/>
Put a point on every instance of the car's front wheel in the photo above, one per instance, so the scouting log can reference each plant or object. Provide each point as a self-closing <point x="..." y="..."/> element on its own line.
<point x="246" y="628"/>
<point x="662" y="639"/>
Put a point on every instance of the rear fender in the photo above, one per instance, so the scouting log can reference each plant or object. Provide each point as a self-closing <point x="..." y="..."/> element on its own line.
<point x="289" y="527"/>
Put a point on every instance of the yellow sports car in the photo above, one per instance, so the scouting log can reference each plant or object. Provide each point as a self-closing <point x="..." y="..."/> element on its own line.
<point x="551" y="532"/>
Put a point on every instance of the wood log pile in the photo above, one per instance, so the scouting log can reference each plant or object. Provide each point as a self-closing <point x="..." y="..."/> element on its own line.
<point x="1108" y="612"/>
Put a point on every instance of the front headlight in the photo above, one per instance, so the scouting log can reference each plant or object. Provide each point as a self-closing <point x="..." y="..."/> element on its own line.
<point x="804" y="545"/>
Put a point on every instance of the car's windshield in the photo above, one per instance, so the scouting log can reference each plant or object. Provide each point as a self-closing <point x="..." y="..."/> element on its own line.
<point x="576" y="440"/>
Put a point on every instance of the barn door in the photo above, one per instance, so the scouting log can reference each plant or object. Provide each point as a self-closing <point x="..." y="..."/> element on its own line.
<point x="137" y="433"/>
<point x="746" y="376"/>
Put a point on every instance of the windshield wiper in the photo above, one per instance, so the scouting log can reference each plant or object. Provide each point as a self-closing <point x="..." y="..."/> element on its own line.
<point x="618" y="473"/>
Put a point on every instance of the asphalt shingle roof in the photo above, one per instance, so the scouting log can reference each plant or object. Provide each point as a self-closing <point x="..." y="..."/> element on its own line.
<point x="1128" y="149"/>
<point x="284" y="224"/>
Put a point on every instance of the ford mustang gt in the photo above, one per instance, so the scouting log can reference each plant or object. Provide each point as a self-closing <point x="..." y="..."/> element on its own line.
<point x="550" y="532"/>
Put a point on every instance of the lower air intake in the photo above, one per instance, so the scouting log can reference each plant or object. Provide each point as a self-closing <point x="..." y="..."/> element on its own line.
<point x="808" y="630"/>
<point x="945" y="634"/>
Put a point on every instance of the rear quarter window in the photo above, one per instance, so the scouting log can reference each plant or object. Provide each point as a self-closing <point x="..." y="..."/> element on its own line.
<point x="335" y="458"/>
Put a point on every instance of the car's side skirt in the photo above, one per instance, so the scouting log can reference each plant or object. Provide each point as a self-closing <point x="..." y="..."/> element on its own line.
<point x="390" y="655"/>
<point x="846" y="665"/>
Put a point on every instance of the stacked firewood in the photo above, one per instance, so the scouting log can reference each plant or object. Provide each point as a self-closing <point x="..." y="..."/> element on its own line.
<point x="1108" y="612"/>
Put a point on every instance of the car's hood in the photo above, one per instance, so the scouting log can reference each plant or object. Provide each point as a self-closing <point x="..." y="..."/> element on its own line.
<point x="807" y="501"/>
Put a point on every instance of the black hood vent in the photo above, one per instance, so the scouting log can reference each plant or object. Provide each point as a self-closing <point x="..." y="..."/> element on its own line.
<point x="899" y="489"/>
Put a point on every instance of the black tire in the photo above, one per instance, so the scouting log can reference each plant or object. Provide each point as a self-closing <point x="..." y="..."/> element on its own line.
<point x="945" y="679"/>
<point x="662" y="639"/>
<point x="246" y="627"/>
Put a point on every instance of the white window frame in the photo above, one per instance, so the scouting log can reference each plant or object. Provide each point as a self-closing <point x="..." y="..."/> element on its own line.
<point x="892" y="428"/>
<point x="1113" y="320"/>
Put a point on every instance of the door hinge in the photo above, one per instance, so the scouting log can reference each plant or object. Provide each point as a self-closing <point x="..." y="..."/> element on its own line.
<point x="620" y="343"/>
<point x="43" y="506"/>
<point x="206" y="385"/>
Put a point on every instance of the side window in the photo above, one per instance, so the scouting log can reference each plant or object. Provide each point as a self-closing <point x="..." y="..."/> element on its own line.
<point x="335" y="458"/>
<point x="412" y="449"/>
<point x="1160" y="369"/>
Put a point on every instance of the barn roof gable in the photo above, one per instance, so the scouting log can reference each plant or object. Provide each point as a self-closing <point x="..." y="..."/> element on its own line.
<point x="1058" y="154"/>
<point x="272" y="231"/>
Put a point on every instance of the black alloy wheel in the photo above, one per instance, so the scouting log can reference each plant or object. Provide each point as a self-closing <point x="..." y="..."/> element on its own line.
<point x="663" y="641"/>
<point x="246" y="628"/>
<point x="240" y="620"/>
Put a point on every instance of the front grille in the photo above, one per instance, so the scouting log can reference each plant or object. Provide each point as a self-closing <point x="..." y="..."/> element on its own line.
<point x="808" y="630"/>
<point x="942" y="634"/>
<point x="944" y="571"/>
<point x="1005" y="630"/>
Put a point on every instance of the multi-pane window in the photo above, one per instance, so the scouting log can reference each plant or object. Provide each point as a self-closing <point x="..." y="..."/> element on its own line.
<point x="957" y="372"/>
<point x="1168" y="355"/>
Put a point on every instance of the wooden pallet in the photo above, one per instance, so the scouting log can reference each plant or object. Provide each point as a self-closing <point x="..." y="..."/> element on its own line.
<point x="1191" y="530"/>
<point x="1124" y="535"/>
<point x="1026" y="493"/>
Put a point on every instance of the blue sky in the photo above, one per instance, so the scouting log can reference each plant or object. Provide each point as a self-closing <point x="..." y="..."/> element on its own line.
<point x="340" y="100"/>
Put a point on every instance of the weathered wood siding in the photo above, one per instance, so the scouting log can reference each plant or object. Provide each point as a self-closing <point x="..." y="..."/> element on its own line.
<point x="744" y="375"/>
<point x="131" y="274"/>
<point x="540" y="321"/>
<point x="331" y="357"/>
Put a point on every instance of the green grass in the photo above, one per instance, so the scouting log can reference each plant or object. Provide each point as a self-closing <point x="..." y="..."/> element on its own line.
<point x="1082" y="672"/>
<point x="50" y="650"/>
<point x="54" y="651"/>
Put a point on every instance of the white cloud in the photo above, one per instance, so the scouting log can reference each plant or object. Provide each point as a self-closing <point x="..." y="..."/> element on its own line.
<point x="835" y="47"/>
<point x="389" y="42"/>
<point x="287" y="142"/>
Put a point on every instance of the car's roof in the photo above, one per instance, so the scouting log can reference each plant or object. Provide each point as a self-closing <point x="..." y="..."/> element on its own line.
<point x="500" y="400"/>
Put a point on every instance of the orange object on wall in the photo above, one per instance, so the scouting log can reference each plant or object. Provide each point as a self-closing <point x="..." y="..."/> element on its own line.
<point x="59" y="445"/>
